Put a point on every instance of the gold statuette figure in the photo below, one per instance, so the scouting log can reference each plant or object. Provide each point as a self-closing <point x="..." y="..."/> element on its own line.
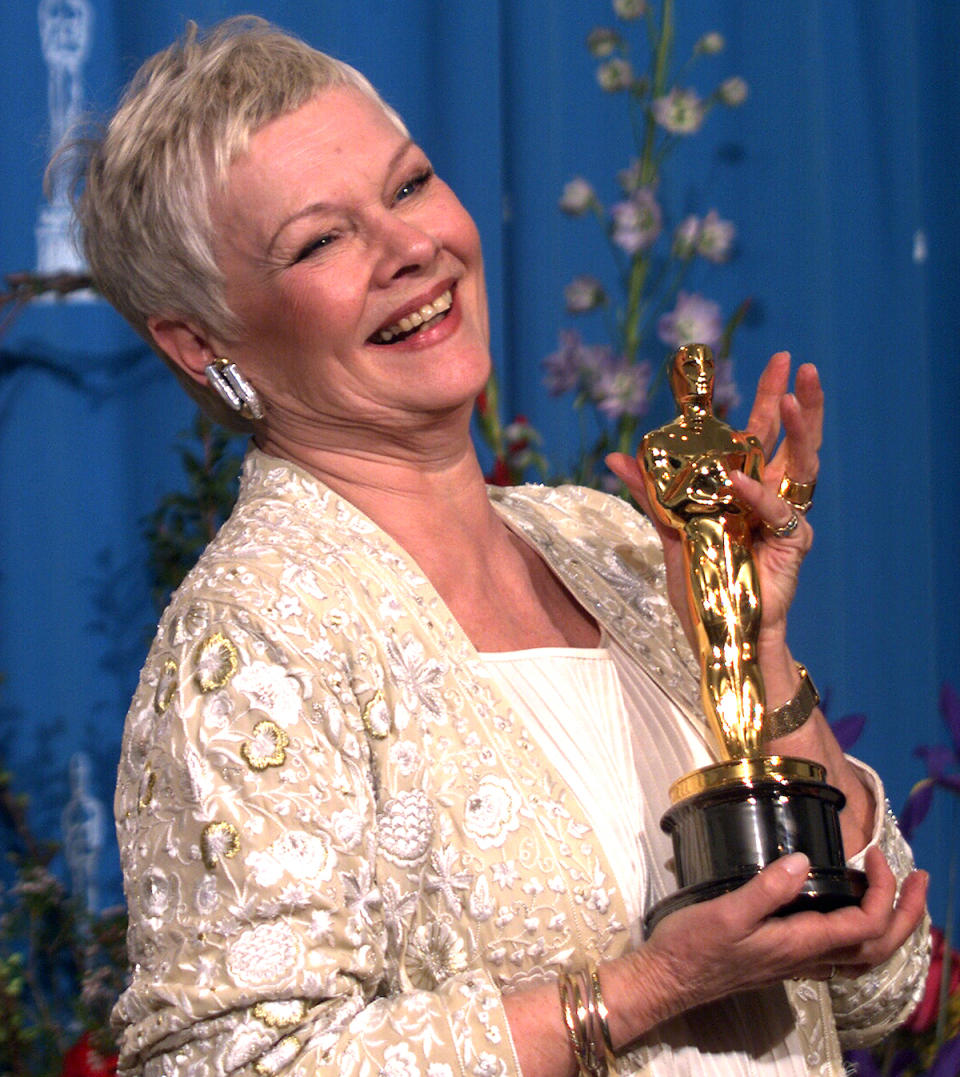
<point x="686" y="466"/>
<point x="731" y="818"/>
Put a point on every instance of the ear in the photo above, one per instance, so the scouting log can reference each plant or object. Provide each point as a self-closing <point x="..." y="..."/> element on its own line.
<point x="185" y="343"/>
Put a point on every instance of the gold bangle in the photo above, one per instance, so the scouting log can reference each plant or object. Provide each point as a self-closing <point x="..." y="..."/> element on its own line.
<point x="788" y="717"/>
<point x="603" y="1014"/>
<point x="585" y="1017"/>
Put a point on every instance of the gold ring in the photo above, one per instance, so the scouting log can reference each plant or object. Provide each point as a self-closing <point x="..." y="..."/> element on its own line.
<point x="798" y="494"/>
<point x="787" y="529"/>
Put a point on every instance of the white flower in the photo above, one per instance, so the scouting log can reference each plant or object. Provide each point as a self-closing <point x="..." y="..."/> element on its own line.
<point x="680" y="112"/>
<point x="505" y="874"/>
<point x="578" y="196"/>
<point x="405" y="756"/>
<point x="492" y="812"/>
<point x="297" y="854"/>
<point x="630" y="9"/>
<point x="733" y="91"/>
<point x="435" y="952"/>
<point x="685" y="237"/>
<point x="715" y="239"/>
<point x="615" y="75"/>
<point x="399" y="1061"/>
<point x="582" y="294"/>
<point x="405" y="827"/>
<point x="601" y="41"/>
<point x="694" y="320"/>
<point x="270" y="689"/>
<point x="265" y="956"/>
<point x="710" y="43"/>
<point x="637" y="222"/>
<point x="347" y="828"/>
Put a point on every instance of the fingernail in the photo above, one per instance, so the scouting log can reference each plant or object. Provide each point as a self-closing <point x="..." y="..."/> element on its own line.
<point x="796" y="864"/>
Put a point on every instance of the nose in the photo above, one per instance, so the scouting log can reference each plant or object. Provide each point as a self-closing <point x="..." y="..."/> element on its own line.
<point x="403" y="248"/>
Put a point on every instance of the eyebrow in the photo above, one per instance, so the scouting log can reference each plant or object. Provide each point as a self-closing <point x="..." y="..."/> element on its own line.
<point x="320" y="207"/>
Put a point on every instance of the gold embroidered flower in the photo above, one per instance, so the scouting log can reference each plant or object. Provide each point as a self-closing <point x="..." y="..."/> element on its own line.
<point x="266" y="746"/>
<point x="280" y="1013"/>
<point x="218" y="841"/>
<point x="148" y="782"/>
<point x="215" y="662"/>
<point x="280" y="1057"/>
<point x="166" y="686"/>
<point x="376" y="717"/>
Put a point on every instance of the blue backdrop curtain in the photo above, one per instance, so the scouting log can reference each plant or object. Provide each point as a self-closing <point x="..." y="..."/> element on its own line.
<point x="839" y="173"/>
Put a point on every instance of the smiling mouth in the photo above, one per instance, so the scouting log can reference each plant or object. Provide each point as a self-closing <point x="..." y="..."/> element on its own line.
<point x="416" y="321"/>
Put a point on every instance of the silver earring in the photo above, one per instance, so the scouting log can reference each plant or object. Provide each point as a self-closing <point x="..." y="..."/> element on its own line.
<point x="234" y="388"/>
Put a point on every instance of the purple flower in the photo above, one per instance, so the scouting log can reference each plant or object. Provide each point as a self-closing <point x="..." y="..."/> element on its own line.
<point x="637" y="222"/>
<point x="726" y="396"/>
<point x="694" y="320"/>
<point x="573" y="363"/>
<point x="715" y="239"/>
<point x="578" y="196"/>
<point x="680" y="112"/>
<point x="583" y="294"/>
<point x="622" y="388"/>
<point x="942" y="763"/>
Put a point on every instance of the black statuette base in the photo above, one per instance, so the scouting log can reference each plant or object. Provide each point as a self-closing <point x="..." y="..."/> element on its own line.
<point x="724" y="836"/>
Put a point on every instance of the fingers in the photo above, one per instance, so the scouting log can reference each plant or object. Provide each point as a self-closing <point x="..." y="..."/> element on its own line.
<point x="762" y="498"/>
<point x="801" y="413"/>
<point x="775" y="886"/>
<point x="764" y="421"/>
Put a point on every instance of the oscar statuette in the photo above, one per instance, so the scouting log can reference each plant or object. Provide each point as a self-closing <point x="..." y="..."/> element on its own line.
<point x="728" y="820"/>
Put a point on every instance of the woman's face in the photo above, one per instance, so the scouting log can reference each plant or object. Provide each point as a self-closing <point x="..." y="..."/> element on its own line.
<point x="356" y="274"/>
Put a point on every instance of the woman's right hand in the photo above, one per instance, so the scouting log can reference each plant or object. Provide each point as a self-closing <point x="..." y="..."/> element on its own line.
<point x="735" y="942"/>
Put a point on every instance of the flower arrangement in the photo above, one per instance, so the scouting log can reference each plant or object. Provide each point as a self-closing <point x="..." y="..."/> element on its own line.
<point x="928" y="1043"/>
<point x="614" y="382"/>
<point x="61" y="967"/>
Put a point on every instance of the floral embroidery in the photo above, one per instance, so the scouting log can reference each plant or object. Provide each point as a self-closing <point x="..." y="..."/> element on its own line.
<point x="376" y="717"/>
<point x="285" y="1051"/>
<point x="297" y="854"/>
<point x="147" y="787"/>
<point x="271" y="690"/>
<point x="166" y="686"/>
<point x="219" y="840"/>
<point x="215" y="662"/>
<point x="492" y="812"/>
<point x="266" y="748"/>
<point x="264" y="956"/>
<point x="281" y="1012"/>
<point x="406" y="827"/>
<point x="435" y="953"/>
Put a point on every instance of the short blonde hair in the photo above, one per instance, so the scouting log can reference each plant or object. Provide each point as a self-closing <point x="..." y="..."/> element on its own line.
<point x="144" y="201"/>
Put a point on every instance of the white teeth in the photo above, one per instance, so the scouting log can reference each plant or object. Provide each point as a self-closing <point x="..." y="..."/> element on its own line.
<point x="416" y="318"/>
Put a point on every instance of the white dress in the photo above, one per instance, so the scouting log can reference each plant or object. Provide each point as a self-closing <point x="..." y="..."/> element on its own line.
<point x="620" y="742"/>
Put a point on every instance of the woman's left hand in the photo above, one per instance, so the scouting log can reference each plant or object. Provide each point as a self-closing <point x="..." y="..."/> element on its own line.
<point x="778" y="559"/>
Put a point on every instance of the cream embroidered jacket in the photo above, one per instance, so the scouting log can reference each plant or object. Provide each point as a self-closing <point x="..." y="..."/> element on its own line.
<point x="339" y="846"/>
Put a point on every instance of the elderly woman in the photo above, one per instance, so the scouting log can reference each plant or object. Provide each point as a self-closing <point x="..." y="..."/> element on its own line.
<point x="390" y="785"/>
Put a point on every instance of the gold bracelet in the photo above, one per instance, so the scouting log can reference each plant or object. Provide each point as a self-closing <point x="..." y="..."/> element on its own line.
<point x="585" y="1017"/>
<point x="603" y="1014"/>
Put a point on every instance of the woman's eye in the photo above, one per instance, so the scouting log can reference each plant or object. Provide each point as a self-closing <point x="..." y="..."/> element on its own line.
<point x="414" y="185"/>
<point x="314" y="245"/>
